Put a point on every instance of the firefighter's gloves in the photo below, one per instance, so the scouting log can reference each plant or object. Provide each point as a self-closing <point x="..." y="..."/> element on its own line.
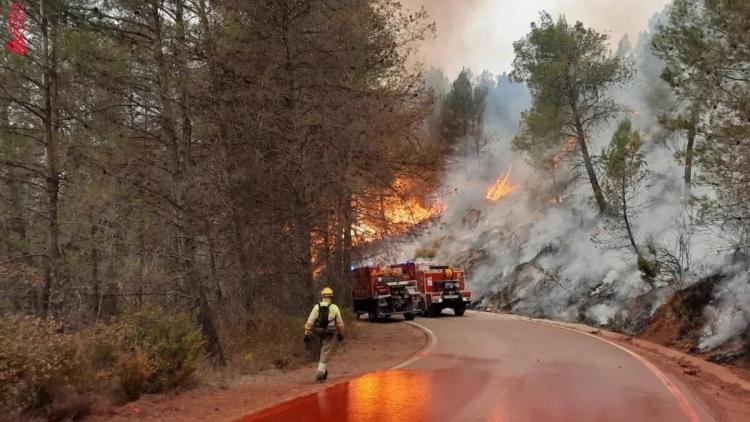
<point x="340" y="337"/>
<point x="308" y="337"/>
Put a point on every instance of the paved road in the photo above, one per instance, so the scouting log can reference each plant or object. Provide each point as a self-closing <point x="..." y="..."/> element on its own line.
<point x="486" y="367"/>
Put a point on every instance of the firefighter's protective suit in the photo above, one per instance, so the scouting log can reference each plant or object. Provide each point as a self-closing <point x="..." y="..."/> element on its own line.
<point x="322" y="329"/>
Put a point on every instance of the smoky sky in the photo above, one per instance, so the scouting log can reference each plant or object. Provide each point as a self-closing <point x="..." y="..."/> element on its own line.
<point x="480" y="33"/>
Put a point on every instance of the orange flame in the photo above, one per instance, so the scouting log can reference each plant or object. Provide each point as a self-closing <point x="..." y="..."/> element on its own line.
<point x="394" y="211"/>
<point x="501" y="188"/>
<point x="570" y="147"/>
<point x="409" y="212"/>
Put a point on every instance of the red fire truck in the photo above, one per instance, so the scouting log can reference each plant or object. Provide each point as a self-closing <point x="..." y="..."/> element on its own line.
<point x="440" y="286"/>
<point x="381" y="292"/>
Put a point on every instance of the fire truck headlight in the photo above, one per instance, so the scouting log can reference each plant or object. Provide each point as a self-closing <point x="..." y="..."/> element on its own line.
<point x="437" y="299"/>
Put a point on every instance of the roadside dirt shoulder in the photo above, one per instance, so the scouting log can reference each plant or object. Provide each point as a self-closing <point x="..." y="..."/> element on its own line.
<point x="246" y="395"/>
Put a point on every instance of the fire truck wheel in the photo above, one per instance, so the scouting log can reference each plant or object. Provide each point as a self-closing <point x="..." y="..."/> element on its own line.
<point x="409" y="316"/>
<point x="459" y="311"/>
<point x="372" y="317"/>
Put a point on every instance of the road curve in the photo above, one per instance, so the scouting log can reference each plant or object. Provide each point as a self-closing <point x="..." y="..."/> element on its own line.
<point x="486" y="367"/>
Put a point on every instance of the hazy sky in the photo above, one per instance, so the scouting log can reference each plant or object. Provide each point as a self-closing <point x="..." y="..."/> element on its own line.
<point x="479" y="33"/>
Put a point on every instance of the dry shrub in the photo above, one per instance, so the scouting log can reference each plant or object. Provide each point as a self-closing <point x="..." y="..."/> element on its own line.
<point x="69" y="404"/>
<point x="426" y="253"/>
<point x="174" y="346"/>
<point x="45" y="372"/>
<point x="37" y="363"/>
<point x="274" y="339"/>
<point x="132" y="372"/>
<point x="148" y="352"/>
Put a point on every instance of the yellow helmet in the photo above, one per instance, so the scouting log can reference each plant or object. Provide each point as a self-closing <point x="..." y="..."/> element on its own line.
<point x="327" y="292"/>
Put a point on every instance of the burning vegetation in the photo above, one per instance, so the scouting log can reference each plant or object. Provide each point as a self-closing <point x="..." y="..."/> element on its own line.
<point x="392" y="211"/>
<point x="410" y="212"/>
<point x="501" y="188"/>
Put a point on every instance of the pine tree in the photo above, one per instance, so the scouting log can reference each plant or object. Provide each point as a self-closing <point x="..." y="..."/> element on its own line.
<point x="704" y="44"/>
<point x="569" y="69"/>
<point x="625" y="167"/>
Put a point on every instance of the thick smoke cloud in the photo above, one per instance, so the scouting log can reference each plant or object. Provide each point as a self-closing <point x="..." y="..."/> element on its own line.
<point x="479" y="33"/>
<point x="561" y="260"/>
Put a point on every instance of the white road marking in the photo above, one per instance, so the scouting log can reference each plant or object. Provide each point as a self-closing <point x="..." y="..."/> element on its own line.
<point x="433" y="342"/>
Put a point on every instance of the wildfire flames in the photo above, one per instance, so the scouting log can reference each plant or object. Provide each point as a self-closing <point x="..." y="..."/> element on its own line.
<point x="570" y="146"/>
<point x="395" y="211"/>
<point x="409" y="212"/>
<point x="501" y="188"/>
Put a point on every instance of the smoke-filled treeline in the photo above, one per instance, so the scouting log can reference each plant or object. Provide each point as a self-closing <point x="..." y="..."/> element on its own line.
<point x="199" y="155"/>
<point x="630" y="172"/>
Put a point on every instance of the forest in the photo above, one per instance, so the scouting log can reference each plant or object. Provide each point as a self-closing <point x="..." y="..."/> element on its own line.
<point x="179" y="178"/>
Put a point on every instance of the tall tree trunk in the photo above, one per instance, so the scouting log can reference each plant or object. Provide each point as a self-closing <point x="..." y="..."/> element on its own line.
<point x="212" y="259"/>
<point x="240" y="244"/>
<point x="49" y="79"/>
<point x="304" y="233"/>
<point x="581" y="137"/>
<point x="16" y="220"/>
<point x="689" y="150"/>
<point x="95" y="297"/>
<point x="303" y="203"/>
<point x="346" y="253"/>
<point x="182" y="172"/>
<point x="555" y="187"/>
<point x="624" y="201"/>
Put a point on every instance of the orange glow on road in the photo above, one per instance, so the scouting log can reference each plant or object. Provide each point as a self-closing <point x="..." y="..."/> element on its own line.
<point x="396" y="395"/>
<point x="388" y="396"/>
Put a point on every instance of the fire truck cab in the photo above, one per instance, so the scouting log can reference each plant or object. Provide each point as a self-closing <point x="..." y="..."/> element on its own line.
<point x="440" y="286"/>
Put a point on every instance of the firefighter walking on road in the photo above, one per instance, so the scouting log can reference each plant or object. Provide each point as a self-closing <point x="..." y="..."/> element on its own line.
<point x="323" y="324"/>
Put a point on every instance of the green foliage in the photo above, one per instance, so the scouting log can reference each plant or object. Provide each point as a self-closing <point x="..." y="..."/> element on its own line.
<point x="149" y="352"/>
<point x="624" y="160"/>
<point x="464" y="110"/>
<point x="626" y="169"/>
<point x="704" y="45"/>
<point x="649" y="270"/>
<point x="460" y="99"/>
<point x="173" y="344"/>
<point x="568" y="69"/>
<point x="556" y="57"/>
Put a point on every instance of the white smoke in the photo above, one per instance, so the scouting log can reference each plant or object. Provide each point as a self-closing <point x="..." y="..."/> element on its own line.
<point x="593" y="271"/>
<point x="478" y="33"/>
<point x="729" y="314"/>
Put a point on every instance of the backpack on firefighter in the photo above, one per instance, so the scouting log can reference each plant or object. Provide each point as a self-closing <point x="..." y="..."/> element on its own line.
<point x="323" y="326"/>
